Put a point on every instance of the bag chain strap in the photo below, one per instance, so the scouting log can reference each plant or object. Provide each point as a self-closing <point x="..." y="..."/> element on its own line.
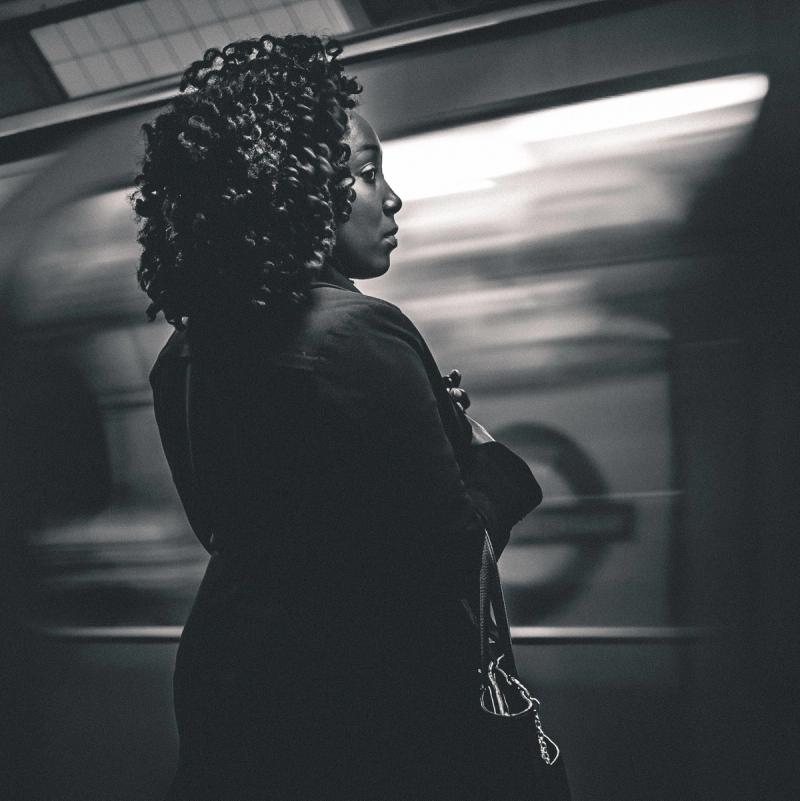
<point x="492" y="593"/>
<point x="543" y="738"/>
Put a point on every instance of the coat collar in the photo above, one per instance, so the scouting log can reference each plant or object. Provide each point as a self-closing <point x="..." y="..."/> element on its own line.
<point x="330" y="276"/>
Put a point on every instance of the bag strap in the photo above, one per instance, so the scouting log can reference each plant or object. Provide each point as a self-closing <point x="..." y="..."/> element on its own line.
<point x="491" y="598"/>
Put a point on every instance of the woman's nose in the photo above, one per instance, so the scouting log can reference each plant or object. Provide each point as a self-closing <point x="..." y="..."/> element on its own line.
<point x="392" y="204"/>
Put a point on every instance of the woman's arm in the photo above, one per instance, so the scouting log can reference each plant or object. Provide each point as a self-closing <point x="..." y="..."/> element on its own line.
<point x="382" y="383"/>
<point x="490" y="467"/>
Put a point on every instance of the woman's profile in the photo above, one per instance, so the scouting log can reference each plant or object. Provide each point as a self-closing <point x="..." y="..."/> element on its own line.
<point x="319" y="454"/>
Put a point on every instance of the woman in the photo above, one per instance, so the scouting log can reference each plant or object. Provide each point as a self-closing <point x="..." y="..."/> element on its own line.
<point x="317" y="450"/>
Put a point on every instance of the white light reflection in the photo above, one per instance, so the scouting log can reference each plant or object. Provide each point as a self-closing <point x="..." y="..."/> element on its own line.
<point x="636" y="108"/>
<point x="441" y="163"/>
<point x="470" y="158"/>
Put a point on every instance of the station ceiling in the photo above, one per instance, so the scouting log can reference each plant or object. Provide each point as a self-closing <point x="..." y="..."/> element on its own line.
<point x="52" y="52"/>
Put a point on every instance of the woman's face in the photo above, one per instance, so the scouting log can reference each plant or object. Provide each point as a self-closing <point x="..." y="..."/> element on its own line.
<point x="365" y="241"/>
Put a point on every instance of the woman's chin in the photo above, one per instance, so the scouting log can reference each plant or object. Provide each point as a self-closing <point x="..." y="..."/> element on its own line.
<point x="374" y="270"/>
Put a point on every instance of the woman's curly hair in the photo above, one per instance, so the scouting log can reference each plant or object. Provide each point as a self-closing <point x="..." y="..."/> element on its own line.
<point x="245" y="178"/>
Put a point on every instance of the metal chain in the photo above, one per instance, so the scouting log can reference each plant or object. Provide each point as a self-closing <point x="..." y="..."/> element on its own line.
<point x="542" y="741"/>
<point x="543" y="738"/>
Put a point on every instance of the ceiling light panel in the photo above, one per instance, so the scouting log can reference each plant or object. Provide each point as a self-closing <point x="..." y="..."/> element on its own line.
<point x="276" y="20"/>
<point x="147" y="40"/>
<point x="245" y="27"/>
<point x="138" y="23"/>
<point x="199" y="11"/>
<point x="51" y="42"/>
<point x="103" y="73"/>
<point x="234" y="8"/>
<point x="79" y="37"/>
<point x="108" y="27"/>
<point x="130" y="64"/>
<point x="73" y="78"/>
<point x="158" y="58"/>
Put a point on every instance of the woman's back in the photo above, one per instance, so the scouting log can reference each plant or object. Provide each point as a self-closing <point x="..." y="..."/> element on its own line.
<point x="324" y="617"/>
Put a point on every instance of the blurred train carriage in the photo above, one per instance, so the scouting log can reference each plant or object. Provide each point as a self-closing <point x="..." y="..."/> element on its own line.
<point x="544" y="252"/>
<point x="548" y="282"/>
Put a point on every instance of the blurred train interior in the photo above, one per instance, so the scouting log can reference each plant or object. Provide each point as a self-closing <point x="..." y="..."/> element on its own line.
<point x="593" y="234"/>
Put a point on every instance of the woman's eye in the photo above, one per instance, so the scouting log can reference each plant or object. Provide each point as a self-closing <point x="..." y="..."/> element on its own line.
<point x="369" y="175"/>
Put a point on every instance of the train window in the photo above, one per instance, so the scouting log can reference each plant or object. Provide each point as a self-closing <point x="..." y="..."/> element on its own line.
<point x="540" y="254"/>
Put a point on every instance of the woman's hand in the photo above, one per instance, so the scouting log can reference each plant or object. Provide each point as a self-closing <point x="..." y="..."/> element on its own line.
<point x="453" y="383"/>
<point x="452" y="380"/>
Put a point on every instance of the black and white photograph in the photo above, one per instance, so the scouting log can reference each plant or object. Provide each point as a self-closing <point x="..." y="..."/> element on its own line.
<point x="399" y="400"/>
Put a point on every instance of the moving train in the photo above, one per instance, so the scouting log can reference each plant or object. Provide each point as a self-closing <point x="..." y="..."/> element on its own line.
<point x="552" y="159"/>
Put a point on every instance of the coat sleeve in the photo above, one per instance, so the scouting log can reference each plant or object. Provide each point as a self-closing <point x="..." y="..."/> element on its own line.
<point x="380" y="383"/>
<point x="502" y="484"/>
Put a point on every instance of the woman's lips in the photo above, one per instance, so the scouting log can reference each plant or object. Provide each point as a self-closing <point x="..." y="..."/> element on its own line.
<point x="391" y="239"/>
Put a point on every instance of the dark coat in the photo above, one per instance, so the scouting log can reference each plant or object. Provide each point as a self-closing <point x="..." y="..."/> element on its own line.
<point x="327" y="655"/>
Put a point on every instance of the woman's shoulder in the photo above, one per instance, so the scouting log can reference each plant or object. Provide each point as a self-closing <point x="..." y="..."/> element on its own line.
<point x="338" y="312"/>
<point x="365" y="322"/>
<point x="338" y="328"/>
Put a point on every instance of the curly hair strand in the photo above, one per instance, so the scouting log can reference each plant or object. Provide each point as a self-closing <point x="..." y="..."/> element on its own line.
<point x="244" y="178"/>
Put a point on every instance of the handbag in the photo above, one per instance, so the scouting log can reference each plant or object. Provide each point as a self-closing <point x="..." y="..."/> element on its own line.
<point x="521" y="763"/>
